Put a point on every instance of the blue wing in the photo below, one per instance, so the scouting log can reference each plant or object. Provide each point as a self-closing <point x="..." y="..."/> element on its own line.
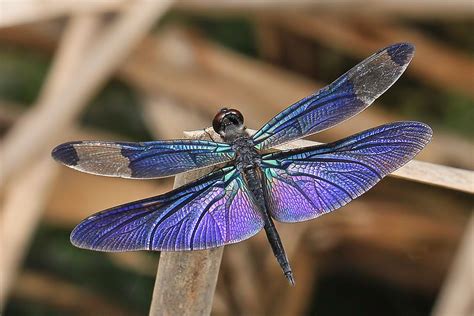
<point x="141" y="160"/>
<point x="308" y="182"/>
<point x="213" y="211"/>
<point x="348" y="95"/>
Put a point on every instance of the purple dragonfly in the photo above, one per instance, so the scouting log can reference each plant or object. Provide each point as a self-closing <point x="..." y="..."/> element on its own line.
<point x="253" y="187"/>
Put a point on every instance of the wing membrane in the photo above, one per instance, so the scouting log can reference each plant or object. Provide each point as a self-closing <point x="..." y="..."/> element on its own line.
<point x="306" y="183"/>
<point x="141" y="160"/>
<point x="213" y="211"/>
<point x="348" y="95"/>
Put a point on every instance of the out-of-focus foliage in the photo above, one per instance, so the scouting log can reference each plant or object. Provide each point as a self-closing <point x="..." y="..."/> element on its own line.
<point x="21" y="74"/>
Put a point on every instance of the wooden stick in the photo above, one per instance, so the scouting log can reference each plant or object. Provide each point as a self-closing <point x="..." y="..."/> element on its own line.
<point x="32" y="134"/>
<point x="186" y="280"/>
<point x="457" y="294"/>
<point x="434" y="174"/>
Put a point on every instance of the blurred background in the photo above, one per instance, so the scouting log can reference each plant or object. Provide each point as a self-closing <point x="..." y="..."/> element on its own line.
<point x="144" y="70"/>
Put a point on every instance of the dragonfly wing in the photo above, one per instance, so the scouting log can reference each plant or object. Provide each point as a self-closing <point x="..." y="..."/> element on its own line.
<point x="348" y="95"/>
<point x="141" y="160"/>
<point x="306" y="183"/>
<point x="213" y="211"/>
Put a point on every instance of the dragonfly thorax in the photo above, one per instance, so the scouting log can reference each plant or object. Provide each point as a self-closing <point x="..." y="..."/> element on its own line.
<point x="246" y="155"/>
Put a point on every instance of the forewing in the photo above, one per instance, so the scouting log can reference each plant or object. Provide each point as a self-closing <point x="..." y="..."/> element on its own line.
<point x="213" y="211"/>
<point x="306" y="183"/>
<point x="141" y="160"/>
<point x="348" y="95"/>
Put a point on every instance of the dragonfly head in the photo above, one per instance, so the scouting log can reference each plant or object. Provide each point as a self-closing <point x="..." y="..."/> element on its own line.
<point x="228" y="121"/>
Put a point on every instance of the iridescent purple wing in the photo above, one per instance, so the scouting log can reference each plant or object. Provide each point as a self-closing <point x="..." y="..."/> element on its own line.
<point x="348" y="95"/>
<point x="213" y="211"/>
<point x="306" y="183"/>
<point x="141" y="160"/>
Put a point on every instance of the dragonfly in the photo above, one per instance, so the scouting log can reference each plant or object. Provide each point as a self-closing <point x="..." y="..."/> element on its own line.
<point x="255" y="184"/>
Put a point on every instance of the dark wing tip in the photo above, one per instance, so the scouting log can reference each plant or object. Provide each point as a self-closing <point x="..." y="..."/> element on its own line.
<point x="401" y="53"/>
<point x="66" y="153"/>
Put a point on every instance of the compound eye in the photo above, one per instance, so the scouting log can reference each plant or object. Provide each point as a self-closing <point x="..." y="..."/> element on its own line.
<point x="226" y="117"/>
<point x="217" y="121"/>
<point x="237" y="115"/>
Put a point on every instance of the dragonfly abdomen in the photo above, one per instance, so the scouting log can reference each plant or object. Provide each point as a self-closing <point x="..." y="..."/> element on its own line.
<point x="253" y="176"/>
